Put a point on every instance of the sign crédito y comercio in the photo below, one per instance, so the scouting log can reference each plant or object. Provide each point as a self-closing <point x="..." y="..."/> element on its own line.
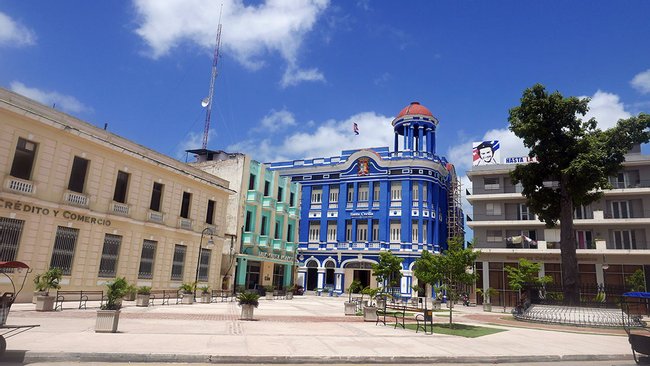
<point x="68" y="215"/>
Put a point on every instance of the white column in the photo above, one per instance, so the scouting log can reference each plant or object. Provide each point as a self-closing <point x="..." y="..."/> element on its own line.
<point x="338" y="276"/>
<point x="486" y="275"/>
<point x="302" y="276"/>
<point x="600" y="274"/>
<point x="321" y="279"/>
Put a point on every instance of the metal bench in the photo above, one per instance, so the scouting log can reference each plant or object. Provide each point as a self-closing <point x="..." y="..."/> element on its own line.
<point x="165" y="296"/>
<point x="223" y="295"/>
<point x="80" y="295"/>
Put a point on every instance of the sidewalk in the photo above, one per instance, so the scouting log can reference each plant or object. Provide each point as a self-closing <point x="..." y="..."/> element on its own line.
<point x="307" y="329"/>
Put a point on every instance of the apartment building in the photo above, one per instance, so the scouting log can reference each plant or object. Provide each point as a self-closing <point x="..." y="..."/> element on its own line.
<point x="263" y="217"/>
<point x="612" y="234"/>
<point x="99" y="206"/>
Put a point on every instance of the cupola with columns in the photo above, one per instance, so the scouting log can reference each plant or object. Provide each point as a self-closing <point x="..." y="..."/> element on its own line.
<point x="417" y="125"/>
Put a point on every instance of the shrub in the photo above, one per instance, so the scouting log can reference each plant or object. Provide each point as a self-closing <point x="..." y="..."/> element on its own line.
<point x="144" y="290"/>
<point x="188" y="288"/>
<point x="248" y="298"/>
<point x="116" y="290"/>
<point x="48" y="280"/>
<point x="205" y="289"/>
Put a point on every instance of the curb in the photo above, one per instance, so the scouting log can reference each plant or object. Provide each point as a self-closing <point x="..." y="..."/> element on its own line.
<point x="33" y="357"/>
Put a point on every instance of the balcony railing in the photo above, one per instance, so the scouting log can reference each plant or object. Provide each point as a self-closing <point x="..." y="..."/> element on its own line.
<point x="76" y="199"/>
<point x="292" y="211"/>
<point x="277" y="244"/>
<point x="343" y="245"/>
<point x="629" y="215"/>
<point x="120" y="208"/>
<point x="156" y="216"/>
<point x="268" y="202"/>
<point x="253" y="196"/>
<point x="632" y="184"/>
<point x="281" y="207"/>
<point x="289" y="247"/>
<point x="263" y="241"/>
<point x="250" y="238"/>
<point x="19" y="185"/>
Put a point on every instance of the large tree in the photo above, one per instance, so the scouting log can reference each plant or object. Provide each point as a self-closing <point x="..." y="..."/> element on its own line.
<point x="449" y="271"/>
<point x="574" y="161"/>
<point x="388" y="270"/>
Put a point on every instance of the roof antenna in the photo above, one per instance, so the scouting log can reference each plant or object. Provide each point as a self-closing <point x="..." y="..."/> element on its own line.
<point x="207" y="101"/>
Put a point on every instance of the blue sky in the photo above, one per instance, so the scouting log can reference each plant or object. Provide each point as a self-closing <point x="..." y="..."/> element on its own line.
<point x="294" y="75"/>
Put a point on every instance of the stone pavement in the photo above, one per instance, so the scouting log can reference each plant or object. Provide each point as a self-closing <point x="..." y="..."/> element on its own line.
<point x="307" y="329"/>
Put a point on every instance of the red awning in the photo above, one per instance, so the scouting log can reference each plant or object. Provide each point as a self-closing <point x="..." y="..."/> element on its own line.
<point x="13" y="264"/>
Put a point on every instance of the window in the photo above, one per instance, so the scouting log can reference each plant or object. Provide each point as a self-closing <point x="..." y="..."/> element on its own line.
<point x="248" y="224"/>
<point x="395" y="191"/>
<point x="209" y="215"/>
<point x="414" y="231"/>
<point x="278" y="275"/>
<point x="264" y="230"/>
<point x="416" y="191"/>
<point x="494" y="236"/>
<point x="350" y="192"/>
<point x="147" y="257"/>
<point x="524" y="213"/>
<point x="185" y="205"/>
<point x="584" y="240"/>
<point x="121" y="186"/>
<point x="425" y="195"/>
<point x="251" y="182"/>
<point x="375" y="192"/>
<point x="395" y="231"/>
<point x="63" y="251"/>
<point x="348" y="230"/>
<point x="491" y="183"/>
<point x="178" y="262"/>
<point x="267" y="188"/>
<point x="425" y="237"/>
<point x="276" y="232"/>
<point x="156" y="196"/>
<point x="23" y="159"/>
<point x="204" y="264"/>
<point x="363" y="192"/>
<point x="316" y="195"/>
<point x="375" y="230"/>
<point x="292" y="199"/>
<point x="583" y="212"/>
<point x="290" y="232"/>
<point x="334" y="194"/>
<point x="362" y="232"/>
<point x="331" y="231"/>
<point x="314" y="232"/>
<point x="78" y="175"/>
<point x="620" y="210"/>
<point x="110" y="253"/>
<point x="10" y="230"/>
<point x="493" y="209"/>
<point x="280" y="193"/>
<point x="624" y="239"/>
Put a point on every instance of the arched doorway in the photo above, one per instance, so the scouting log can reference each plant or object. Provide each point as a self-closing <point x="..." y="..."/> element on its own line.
<point x="329" y="275"/>
<point x="312" y="275"/>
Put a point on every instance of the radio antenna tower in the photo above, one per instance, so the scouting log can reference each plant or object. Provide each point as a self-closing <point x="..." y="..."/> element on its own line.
<point x="207" y="101"/>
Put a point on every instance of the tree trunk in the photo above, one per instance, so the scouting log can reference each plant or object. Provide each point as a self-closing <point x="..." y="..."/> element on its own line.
<point x="570" y="277"/>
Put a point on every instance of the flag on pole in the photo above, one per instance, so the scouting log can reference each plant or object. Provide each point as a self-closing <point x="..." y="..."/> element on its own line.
<point x="355" y="128"/>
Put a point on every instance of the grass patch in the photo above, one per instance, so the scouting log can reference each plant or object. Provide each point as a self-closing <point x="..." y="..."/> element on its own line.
<point x="461" y="330"/>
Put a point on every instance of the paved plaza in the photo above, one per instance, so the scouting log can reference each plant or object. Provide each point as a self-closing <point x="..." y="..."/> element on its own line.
<point x="307" y="329"/>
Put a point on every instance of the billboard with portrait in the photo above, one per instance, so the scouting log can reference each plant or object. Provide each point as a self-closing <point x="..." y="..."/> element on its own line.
<point x="486" y="153"/>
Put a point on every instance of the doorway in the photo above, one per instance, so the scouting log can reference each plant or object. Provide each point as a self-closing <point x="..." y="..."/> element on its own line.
<point x="363" y="276"/>
<point x="312" y="275"/>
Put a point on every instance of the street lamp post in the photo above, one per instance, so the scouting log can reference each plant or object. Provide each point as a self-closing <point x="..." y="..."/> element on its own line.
<point x="198" y="260"/>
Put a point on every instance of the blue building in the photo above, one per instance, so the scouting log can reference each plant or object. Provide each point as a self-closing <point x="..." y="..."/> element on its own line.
<point x="369" y="200"/>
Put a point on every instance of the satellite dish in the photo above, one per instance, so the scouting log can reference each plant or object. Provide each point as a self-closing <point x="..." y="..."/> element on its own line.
<point x="205" y="102"/>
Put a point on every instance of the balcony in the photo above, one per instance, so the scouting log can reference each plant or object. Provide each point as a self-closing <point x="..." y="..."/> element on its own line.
<point x="75" y="198"/>
<point x="268" y="202"/>
<point x="19" y="185"/>
<point x="293" y="211"/>
<point x="281" y="207"/>
<point x="120" y="208"/>
<point x="250" y="238"/>
<point x="253" y="196"/>
<point x="155" y="216"/>
<point x="277" y="244"/>
<point x="289" y="247"/>
<point x="343" y="245"/>
<point x="263" y="241"/>
<point x="374" y="246"/>
<point x="184" y="223"/>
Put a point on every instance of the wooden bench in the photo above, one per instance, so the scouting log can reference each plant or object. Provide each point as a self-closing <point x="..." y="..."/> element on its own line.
<point x="165" y="296"/>
<point x="223" y="295"/>
<point x="81" y="296"/>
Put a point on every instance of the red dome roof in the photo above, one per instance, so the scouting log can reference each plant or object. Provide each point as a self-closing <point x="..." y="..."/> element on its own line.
<point x="415" y="108"/>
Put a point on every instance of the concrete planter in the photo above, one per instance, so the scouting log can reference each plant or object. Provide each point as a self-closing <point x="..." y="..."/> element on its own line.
<point x="269" y="295"/>
<point x="188" y="299"/>
<point x="289" y="295"/>
<point x="38" y="293"/>
<point x="129" y="297"/>
<point x="370" y="314"/>
<point x="206" y="298"/>
<point x="487" y="307"/>
<point x="107" y="321"/>
<point x="44" y="303"/>
<point x="247" y="312"/>
<point x="142" y="300"/>
<point x="350" y="308"/>
<point x="381" y="302"/>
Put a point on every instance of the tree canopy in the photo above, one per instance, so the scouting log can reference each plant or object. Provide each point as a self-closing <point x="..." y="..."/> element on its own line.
<point x="574" y="160"/>
<point x="388" y="270"/>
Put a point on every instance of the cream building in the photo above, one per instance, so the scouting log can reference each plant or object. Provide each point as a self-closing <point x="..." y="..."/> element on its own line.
<point x="99" y="206"/>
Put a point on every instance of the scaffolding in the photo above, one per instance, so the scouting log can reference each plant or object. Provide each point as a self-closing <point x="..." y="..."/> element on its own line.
<point x="455" y="218"/>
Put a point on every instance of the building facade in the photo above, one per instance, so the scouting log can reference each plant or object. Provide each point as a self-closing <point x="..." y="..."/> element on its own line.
<point x="365" y="201"/>
<point x="98" y="206"/>
<point x="263" y="216"/>
<point x="612" y="235"/>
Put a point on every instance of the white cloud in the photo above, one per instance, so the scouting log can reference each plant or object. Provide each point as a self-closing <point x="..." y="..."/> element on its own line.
<point x="192" y="141"/>
<point x="641" y="82"/>
<point x="328" y="139"/>
<point x="60" y="101"/>
<point x="606" y="108"/>
<point x="13" y="33"/>
<point x="249" y="31"/>
<point x="277" y="120"/>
